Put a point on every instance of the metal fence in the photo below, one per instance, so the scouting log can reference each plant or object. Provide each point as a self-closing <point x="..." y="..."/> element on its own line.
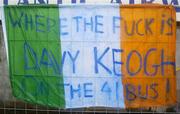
<point x="17" y="107"/>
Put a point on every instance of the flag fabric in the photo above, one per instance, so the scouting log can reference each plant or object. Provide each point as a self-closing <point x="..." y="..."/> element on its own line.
<point x="73" y="56"/>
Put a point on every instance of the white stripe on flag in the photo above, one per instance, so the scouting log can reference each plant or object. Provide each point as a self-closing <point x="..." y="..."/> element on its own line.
<point x="88" y="34"/>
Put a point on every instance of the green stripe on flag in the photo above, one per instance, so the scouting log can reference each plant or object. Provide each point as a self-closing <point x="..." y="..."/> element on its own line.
<point x="35" y="54"/>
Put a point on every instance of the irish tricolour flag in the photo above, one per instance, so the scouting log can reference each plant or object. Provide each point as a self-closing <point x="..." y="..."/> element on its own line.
<point x="65" y="56"/>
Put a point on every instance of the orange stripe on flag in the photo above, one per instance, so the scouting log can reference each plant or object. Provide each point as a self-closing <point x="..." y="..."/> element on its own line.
<point x="148" y="38"/>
